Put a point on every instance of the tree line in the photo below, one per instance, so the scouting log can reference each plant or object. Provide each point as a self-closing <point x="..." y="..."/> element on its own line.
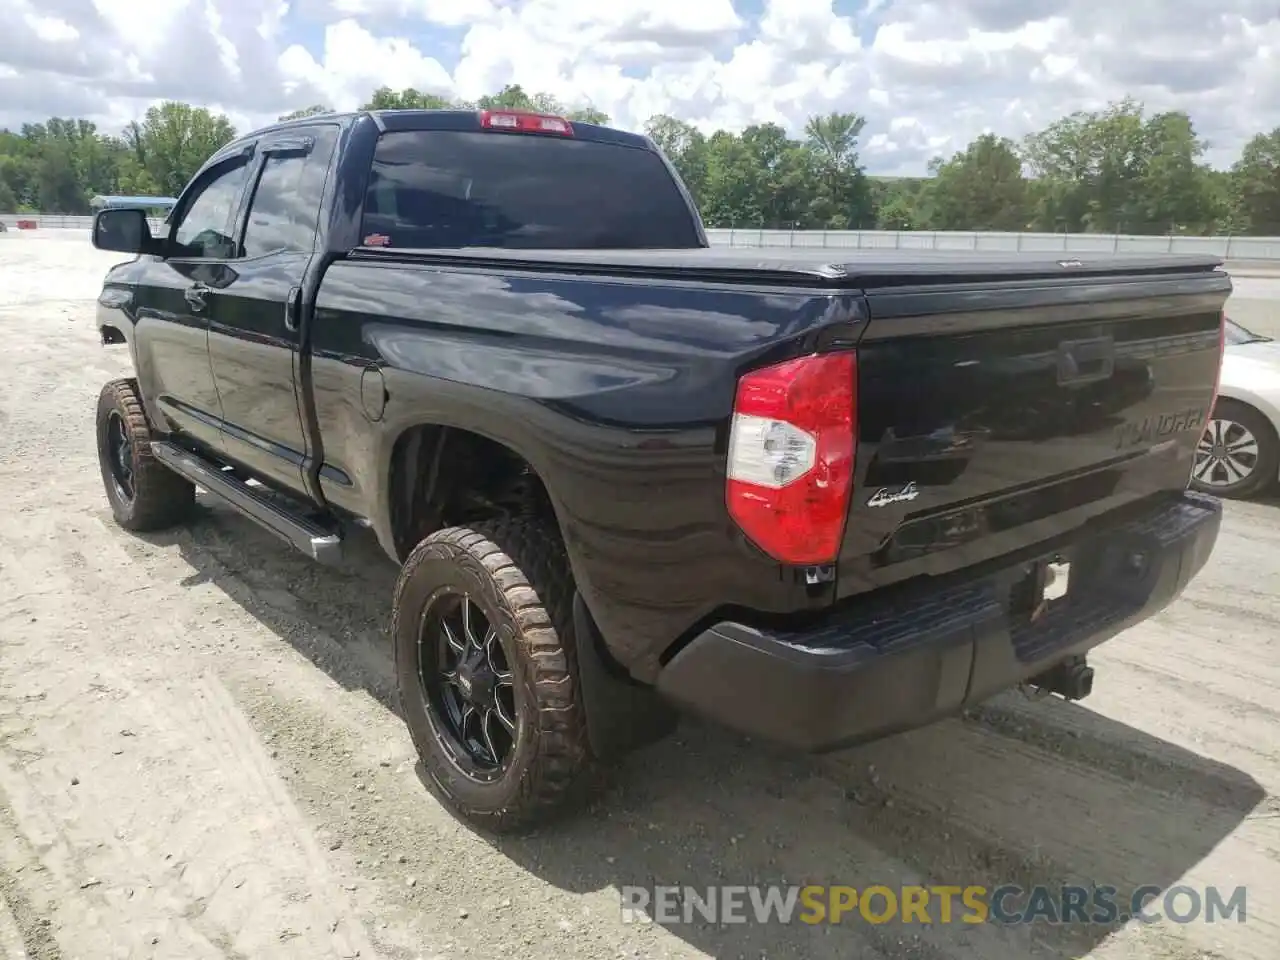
<point x="1115" y="170"/>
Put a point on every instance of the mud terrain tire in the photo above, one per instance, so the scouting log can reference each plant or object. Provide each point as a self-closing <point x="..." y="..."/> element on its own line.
<point x="144" y="494"/>
<point x="516" y="573"/>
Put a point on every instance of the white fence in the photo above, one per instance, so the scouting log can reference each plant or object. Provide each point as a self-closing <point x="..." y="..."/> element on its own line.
<point x="1229" y="248"/>
<point x="58" y="221"/>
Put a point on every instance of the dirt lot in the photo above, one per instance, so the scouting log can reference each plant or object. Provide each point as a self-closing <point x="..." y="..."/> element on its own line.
<point x="199" y="755"/>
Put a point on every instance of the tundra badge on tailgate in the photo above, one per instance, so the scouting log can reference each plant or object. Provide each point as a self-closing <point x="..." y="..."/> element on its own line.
<point x="884" y="496"/>
<point x="1157" y="427"/>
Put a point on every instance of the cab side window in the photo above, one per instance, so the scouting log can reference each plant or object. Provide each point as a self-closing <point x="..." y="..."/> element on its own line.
<point x="286" y="202"/>
<point x="208" y="222"/>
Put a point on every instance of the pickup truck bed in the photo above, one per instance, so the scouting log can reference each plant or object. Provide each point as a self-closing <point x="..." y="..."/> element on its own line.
<point x="820" y="499"/>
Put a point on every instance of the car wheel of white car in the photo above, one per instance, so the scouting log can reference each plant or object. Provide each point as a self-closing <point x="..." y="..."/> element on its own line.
<point x="1237" y="454"/>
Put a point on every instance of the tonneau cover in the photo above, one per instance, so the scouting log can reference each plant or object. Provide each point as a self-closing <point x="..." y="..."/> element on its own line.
<point x="822" y="266"/>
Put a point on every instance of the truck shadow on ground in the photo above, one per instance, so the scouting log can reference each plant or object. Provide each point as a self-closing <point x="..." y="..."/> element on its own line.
<point x="1017" y="793"/>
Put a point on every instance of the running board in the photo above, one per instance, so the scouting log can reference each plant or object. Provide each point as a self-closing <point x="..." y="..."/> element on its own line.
<point x="316" y="541"/>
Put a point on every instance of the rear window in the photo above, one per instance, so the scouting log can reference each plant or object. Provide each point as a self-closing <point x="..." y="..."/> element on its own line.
<point x="443" y="188"/>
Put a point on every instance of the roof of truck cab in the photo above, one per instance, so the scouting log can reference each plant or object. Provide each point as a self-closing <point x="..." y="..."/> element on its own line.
<point x="448" y="119"/>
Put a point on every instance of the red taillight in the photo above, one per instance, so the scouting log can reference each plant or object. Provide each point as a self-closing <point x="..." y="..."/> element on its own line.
<point x="791" y="448"/>
<point x="521" y="121"/>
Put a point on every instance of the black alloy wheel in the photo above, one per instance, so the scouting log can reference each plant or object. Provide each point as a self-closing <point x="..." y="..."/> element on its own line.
<point x="466" y="675"/>
<point x="120" y="456"/>
<point x="486" y="671"/>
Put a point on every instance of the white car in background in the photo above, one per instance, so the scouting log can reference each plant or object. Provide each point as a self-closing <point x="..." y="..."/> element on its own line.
<point x="1239" y="454"/>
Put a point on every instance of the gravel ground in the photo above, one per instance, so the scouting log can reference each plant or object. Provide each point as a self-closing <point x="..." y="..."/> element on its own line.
<point x="199" y="755"/>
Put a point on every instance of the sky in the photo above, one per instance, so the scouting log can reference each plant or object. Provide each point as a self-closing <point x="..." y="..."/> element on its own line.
<point x="928" y="76"/>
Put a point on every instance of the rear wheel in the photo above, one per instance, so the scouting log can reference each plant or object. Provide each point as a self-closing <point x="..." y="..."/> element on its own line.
<point x="144" y="494"/>
<point x="486" y="670"/>
<point x="1238" y="455"/>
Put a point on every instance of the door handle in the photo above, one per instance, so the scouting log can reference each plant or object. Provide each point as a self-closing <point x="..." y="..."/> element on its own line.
<point x="292" y="307"/>
<point x="194" y="295"/>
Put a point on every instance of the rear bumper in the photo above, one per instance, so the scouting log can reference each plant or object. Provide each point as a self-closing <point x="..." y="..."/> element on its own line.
<point x="901" y="660"/>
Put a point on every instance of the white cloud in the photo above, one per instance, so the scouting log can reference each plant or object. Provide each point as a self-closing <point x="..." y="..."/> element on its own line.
<point x="446" y="13"/>
<point x="928" y="74"/>
<point x="51" y="30"/>
<point x="353" y="63"/>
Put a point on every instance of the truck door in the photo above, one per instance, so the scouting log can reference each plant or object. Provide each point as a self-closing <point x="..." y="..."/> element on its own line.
<point x="254" y="328"/>
<point x="172" y="337"/>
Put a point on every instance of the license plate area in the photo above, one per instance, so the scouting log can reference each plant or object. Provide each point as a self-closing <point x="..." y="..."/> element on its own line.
<point x="1043" y="584"/>
<point x="1057" y="579"/>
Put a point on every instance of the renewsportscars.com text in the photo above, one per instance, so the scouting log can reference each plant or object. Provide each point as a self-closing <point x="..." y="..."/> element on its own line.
<point x="971" y="904"/>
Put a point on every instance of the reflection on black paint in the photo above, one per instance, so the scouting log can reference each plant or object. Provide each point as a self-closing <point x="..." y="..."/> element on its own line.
<point x="618" y="394"/>
<point x="288" y="197"/>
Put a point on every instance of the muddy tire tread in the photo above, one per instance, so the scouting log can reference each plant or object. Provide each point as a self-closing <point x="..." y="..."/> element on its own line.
<point x="161" y="498"/>
<point x="526" y="561"/>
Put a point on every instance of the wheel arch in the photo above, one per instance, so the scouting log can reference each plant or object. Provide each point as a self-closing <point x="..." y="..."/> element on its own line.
<point x="621" y="714"/>
<point x="421" y="490"/>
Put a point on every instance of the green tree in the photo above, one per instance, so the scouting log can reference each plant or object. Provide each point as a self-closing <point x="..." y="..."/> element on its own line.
<point x="514" y="97"/>
<point x="173" y="141"/>
<point x="56" y="166"/>
<point x="897" y="213"/>
<point x="315" y="110"/>
<point x="1255" y="185"/>
<point x="1116" y="170"/>
<point x="18" y="168"/>
<point x="842" y="198"/>
<point x="785" y="171"/>
<point x="1173" y="189"/>
<point x="981" y="188"/>
<point x="686" y="147"/>
<point x="1116" y="139"/>
<point x="136" y="181"/>
<point x="902" y="203"/>
<point x="589" y="115"/>
<point x="732" y="195"/>
<point x="1086" y="165"/>
<point x="58" y="189"/>
<point x="1107" y="170"/>
<point x="384" y="98"/>
<point x="1219" y="186"/>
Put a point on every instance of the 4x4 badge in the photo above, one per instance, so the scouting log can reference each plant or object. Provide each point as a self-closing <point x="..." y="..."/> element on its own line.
<point x="884" y="496"/>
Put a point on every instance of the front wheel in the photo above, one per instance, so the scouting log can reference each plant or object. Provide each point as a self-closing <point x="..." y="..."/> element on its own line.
<point x="1238" y="455"/>
<point x="144" y="494"/>
<point x="486" y="670"/>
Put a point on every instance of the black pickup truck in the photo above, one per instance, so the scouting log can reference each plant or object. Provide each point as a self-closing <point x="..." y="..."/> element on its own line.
<point x="816" y="496"/>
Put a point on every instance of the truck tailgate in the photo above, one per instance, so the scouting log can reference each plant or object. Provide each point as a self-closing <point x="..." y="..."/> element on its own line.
<point x="996" y="416"/>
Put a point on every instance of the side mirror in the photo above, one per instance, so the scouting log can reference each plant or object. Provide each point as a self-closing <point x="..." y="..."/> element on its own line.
<point x="122" y="230"/>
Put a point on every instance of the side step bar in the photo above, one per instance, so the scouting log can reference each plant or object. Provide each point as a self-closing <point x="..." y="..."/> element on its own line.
<point x="316" y="541"/>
